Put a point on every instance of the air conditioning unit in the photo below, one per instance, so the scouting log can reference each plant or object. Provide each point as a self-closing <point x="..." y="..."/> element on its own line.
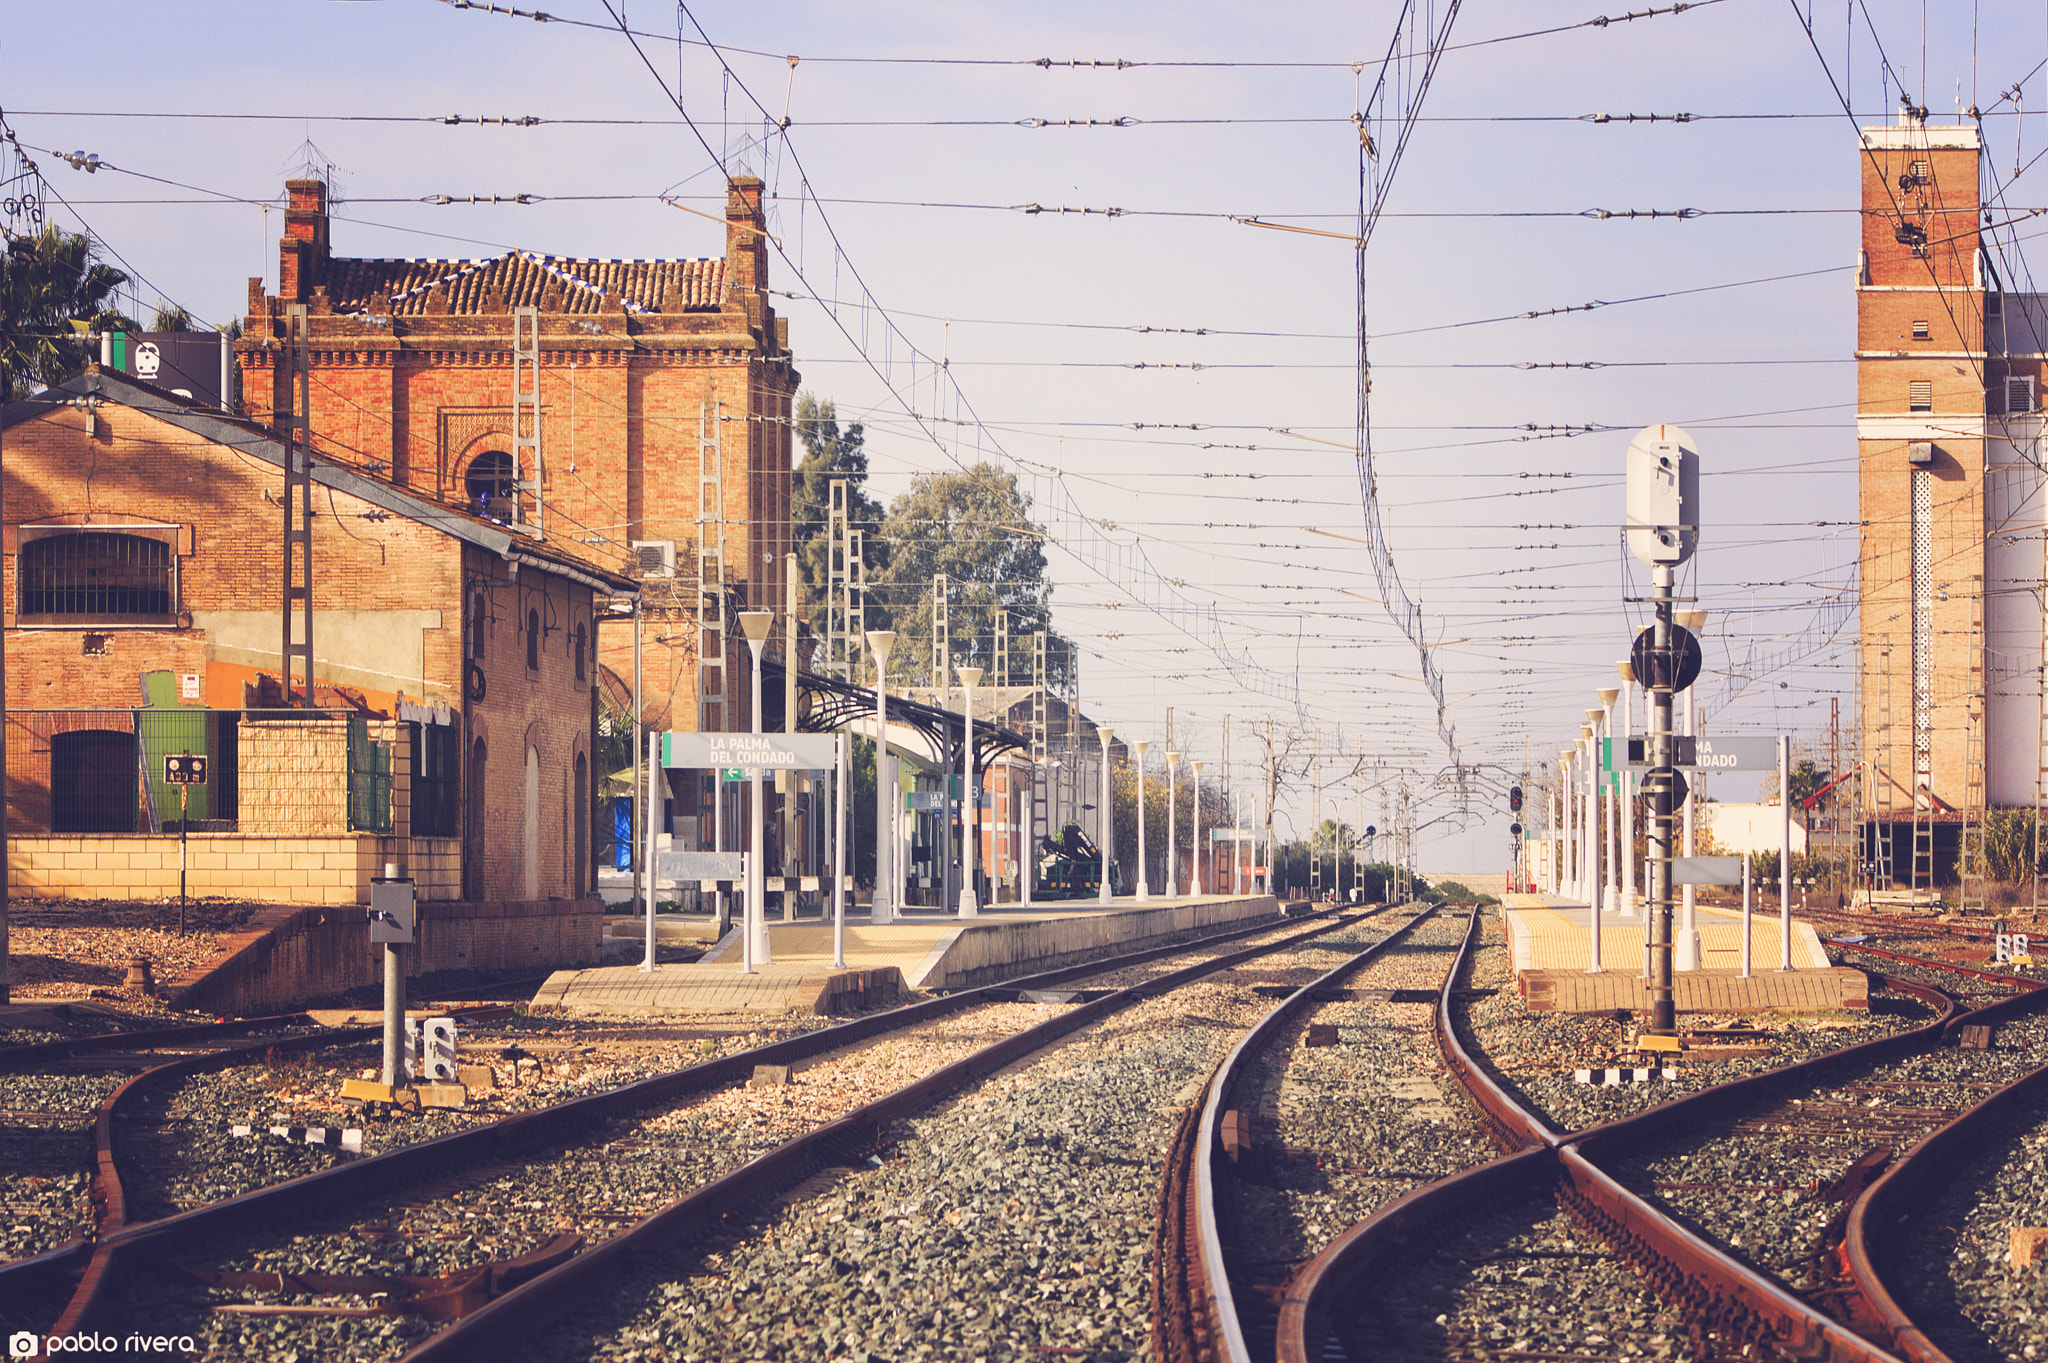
<point x="1920" y="452"/>
<point x="655" y="558"/>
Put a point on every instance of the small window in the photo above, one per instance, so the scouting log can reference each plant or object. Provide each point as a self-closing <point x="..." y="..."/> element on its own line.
<point x="96" y="576"/>
<point x="2019" y="394"/>
<point x="479" y="617"/>
<point x="492" y="486"/>
<point x="1920" y="395"/>
<point x="580" y="641"/>
<point x="533" y="640"/>
<point x="1920" y="332"/>
<point x="1991" y="304"/>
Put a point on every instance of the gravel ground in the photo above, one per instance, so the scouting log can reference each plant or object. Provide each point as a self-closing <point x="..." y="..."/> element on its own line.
<point x="1015" y="1222"/>
<point x="1952" y="1266"/>
<point x="1749" y="1181"/>
<point x="71" y="948"/>
<point x="46" y="1158"/>
<point x="1345" y="1129"/>
<point x="177" y="1153"/>
<point x="1522" y="1281"/>
<point x="1534" y="1055"/>
<point x="614" y="1177"/>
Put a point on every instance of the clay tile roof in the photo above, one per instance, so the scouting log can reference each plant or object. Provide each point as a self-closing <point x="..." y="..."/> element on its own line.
<point x="518" y="279"/>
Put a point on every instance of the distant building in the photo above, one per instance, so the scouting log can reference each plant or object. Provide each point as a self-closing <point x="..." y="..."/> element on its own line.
<point x="1949" y="379"/>
<point x="452" y="722"/>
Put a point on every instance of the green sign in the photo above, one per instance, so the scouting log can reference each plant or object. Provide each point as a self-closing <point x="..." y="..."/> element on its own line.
<point x="732" y="773"/>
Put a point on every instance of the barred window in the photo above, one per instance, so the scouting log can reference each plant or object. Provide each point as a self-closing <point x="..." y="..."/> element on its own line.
<point x="581" y="640"/>
<point x="98" y="576"/>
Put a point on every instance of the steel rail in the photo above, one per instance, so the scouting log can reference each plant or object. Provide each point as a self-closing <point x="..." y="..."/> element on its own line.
<point x="1719" y="1292"/>
<point x="520" y="1132"/>
<point x="36" y="1052"/>
<point x="1514" y="1126"/>
<point x="109" y="1192"/>
<point x="1210" y="1291"/>
<point x="523" y="1131"/>
<point x="1887" y="1201"/>
<point x="500" y="1327"/>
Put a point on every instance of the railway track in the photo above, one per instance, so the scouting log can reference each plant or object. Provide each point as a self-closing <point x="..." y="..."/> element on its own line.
<point x="1345" y="1303"/>
<point x="597" y="1137"/>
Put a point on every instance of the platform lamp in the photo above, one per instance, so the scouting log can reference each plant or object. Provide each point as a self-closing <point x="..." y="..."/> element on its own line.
<point x="1108" y="847"/>
<point x="754" y="936"/>
<point x="1195" y="835"/>
<point x="880" y="911"/>
<point x="1172" y="834"/>
<point x="1144" y="890"/>
<point x="1589" y="820"/>
<point x="970" y="819"/>
<point x="1561" y="880"/>
<point x="1610" y="900"/>
<point x="1626" y="670"/>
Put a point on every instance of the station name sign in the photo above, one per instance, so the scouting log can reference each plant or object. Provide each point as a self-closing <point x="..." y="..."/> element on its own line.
<point x="766" y="752"/>
<point x="1710" y="754"/>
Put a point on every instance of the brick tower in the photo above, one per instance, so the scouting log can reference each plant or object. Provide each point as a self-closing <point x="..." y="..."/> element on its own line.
<point x="1948" y="428"/>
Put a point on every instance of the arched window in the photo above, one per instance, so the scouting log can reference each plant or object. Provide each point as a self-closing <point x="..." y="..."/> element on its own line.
<point x="533" y="640"/>
<point x="97" y="575"/>
<point x="492" y="486"/>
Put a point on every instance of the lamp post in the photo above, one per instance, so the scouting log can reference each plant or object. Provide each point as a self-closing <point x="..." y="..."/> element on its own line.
<point x="1108" y="814"/>
<point x="1589" y="810"/>
<point x="1195" y="835"/>
<point x="881" y="641"/>
<point x="1562" y="881"/>
<point x="970" y="819"/>
<point x="1589" y="842"/>
<point x="1144" y="890"/>
<point x="1629" y="898"/>
<point x="1611" y="896"/>
<point x="1172" y="833"/>
<point x="754" y="937"/>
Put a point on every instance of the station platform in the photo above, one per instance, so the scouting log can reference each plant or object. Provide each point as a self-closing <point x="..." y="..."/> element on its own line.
<point x="1548" y="940"/>
<point x="919" y="951"/>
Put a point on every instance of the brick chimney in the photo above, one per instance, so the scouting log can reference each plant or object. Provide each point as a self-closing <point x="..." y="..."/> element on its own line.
<point x="302" y="254"/>
<point x="746" y="239"/>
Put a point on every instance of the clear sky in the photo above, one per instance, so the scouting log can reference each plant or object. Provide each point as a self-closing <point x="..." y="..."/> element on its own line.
<point x="1176" y="388"/>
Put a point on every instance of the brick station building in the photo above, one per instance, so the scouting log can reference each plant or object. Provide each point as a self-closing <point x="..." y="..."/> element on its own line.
<point x="451" y="726"/>
<point x="662" y="390"/>
<point x="1949" y="378"/>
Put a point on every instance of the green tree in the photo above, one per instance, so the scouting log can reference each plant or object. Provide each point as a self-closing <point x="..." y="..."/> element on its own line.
<point x="830" y="451"/>
<point x="975" y="527"/>
<point x="171" y="317"/>
<point x="47" y="282"/>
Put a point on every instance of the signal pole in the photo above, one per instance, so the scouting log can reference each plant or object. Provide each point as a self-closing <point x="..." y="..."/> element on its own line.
<point x="1662" y="525"/>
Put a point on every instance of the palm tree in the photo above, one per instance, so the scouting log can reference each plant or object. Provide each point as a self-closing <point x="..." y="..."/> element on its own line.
<point x="47" y="282"/>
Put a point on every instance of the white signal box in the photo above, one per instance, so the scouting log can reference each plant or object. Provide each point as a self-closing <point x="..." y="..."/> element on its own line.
<point x="1663" y="495"/>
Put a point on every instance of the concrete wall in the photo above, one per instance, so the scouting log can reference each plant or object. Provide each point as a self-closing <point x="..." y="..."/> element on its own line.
<point x="330" y="870"/>
<point x="289" y="958"/>
<point x="986" y="952"/>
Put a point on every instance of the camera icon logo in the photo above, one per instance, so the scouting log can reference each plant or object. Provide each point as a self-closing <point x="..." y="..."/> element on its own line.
<point x="22" y="1344"/>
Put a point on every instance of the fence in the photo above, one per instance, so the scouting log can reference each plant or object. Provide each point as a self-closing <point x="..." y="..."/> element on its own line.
<point x="280" y="773"/>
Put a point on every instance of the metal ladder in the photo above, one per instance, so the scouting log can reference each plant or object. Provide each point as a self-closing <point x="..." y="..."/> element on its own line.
<point x="528" y="470"/>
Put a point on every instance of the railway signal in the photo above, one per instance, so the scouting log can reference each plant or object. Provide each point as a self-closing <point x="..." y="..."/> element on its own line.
<point x="1662" y="526"/>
